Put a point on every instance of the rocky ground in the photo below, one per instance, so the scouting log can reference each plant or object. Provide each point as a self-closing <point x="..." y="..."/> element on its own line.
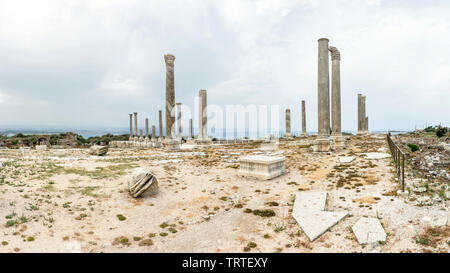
<point x="65" y="200"/>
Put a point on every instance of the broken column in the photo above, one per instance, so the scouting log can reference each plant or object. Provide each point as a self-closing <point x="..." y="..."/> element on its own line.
<point x="304" y="134"/>
<point x="202" y="119"/>
<point x="323" y="141"/>
<point x="153" y="133"/>
<point x="336" y="132"/>
<point x="361" y="115"/>
<point x="288" y="124"/>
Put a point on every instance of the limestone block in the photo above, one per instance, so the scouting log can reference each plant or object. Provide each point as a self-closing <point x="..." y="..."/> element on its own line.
<point x="41" y="147"/>
<point x="263" y="167"/>
<point x="369" y="231"/>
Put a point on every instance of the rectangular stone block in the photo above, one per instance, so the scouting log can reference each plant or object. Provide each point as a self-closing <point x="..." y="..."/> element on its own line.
<point x="262" y="167"/>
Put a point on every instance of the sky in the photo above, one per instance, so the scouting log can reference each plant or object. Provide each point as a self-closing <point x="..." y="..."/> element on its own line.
<point x="91" y="63"/>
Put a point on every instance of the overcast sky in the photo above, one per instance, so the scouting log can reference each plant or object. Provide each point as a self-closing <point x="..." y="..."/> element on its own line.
<point x="90" y="63"/>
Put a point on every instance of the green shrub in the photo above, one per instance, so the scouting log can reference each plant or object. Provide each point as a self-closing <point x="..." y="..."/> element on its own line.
<point x="441" y="131"/>
<point x="413" y="147"/>
<point x="429" y="129"/>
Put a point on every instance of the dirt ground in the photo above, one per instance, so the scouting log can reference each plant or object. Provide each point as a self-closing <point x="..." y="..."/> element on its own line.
<point x="64" y="200"/>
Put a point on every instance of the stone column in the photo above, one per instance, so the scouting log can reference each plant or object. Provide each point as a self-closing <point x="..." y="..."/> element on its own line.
<point x="323" y="88"/>
<point x="140" y="133"/>
<point x="131" y="125"/>
<point x="190" y="129"/>
<point x="360" y="115"/>
<point x="202" y="118"/>
<point x="153" y="132"/>
<point x="288" y="124"/>
<point x="335" y="92"/>
<point x="179" y="119"/>
<point x="135" y="125"/>
<point x="367" y="125"/>
<point x="160" y="125"/>
<point x="146" y="128"/>
<point x="170" y="94"/>
<point x="202" y="121"/>
<point x="304" y="119"/>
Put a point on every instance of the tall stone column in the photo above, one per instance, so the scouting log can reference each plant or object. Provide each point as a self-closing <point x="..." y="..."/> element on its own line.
<point x="170" y="94"/>
<point x="140" y="133"/>
<point x="288" y="124"/>
<point x="135" y="125"/>
<point x="190" y="129"/>
<point x="323" y="88"/>
<point x="179" y="119"/>
<point x="131" y="125"/>
<point x="160" y="125"/>
<point x="360" y="115"/>
<point x="146" y="128"/>
<point x="202" y="119"/>
<point x="153" y="132"/>
<point x="335" y="92"/>
<point x="304" y="118"/>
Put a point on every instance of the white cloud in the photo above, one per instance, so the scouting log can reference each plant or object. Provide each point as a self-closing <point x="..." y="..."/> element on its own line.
<point x="72" y="53"/>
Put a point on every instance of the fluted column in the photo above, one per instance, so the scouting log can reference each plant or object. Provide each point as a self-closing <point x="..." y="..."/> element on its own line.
<point x="135" y="124"/>
<point x="170" y="94"/>
<point x="304" y="118"/>
<point x="335" y="92"/>
<point x="323" y="88"/>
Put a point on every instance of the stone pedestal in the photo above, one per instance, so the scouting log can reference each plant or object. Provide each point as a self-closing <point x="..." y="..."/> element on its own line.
<point x="323" y="145"/>
<point x="339" y="141"/>
<point x="171" y="144"/>
<point x="262" y="167"/>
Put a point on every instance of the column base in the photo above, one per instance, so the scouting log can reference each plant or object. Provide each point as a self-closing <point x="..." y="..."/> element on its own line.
<point x="288" y="135"/>
<point x="303" y="135"/>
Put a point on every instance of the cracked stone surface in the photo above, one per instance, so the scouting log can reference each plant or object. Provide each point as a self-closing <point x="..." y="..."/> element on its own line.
<point x="369" y="231"/>
<point x="309" y="212"/>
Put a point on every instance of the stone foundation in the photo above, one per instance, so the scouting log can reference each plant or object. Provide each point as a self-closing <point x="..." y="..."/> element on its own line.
<point x="262" y="167"/>
<point x="203" y="141"/>
<point x="339" y="141"/>
<point x="172" y="144"/>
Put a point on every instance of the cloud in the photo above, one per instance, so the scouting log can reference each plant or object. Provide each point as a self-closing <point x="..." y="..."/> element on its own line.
<point x="93" y="62"/>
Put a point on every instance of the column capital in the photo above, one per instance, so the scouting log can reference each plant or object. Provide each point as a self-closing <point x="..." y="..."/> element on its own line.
<point x="169" y="59"/>
<point x="335" y="54"/>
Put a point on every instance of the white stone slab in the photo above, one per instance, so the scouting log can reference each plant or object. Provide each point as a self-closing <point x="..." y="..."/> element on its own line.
<point x="346" y="159"/>
<point x="309" y="212"/>
<point x="377" y="155"/>
<point x="316" y="223"/>
<point x="261" y="166"/>
<point x="306" y="201"/>
<point x="369" y="231"/>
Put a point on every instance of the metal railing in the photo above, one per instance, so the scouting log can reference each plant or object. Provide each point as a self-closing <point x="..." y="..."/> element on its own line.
<point x="399" y="160"/>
